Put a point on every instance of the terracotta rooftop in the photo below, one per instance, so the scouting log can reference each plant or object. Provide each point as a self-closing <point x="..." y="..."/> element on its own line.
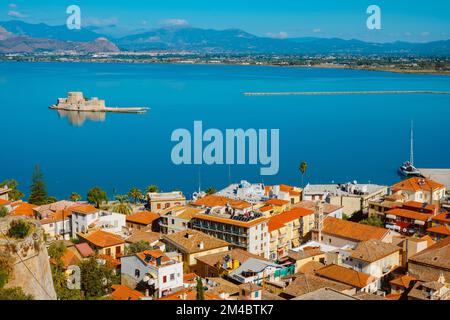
<point x="22" y="209"/>
<point x="235" y="254"/>
<point x="4" y="202"/>
<point x="245" y="224"/>
<point x="84" y="209"/>
<point x="373" y="250"/>
<point x="442" y="230"/>
<point x="327" y="207"/>
<point x="102" y="239"/>
<point x="403" y="281"/>
<point x="144" y="235"/>
<point x="410" y="214"/>
<point x="84" y="249"/>
<point x="57" y="216"/>
<point x="417" y="184"/>
<point x="345" y="275"/>
<point x="311" y="267"/>
<point x="442" y="217"/>
<point x="305" y="254"/>
<point x="149" y="257"/>
<point x="122" y="292"/>
<point x="438" y="255"/>
<point x="283" y="218"/>
<point x="191" y="241"/>
<point x="215" y="201"/>
<point x="189" y="294"/>
<point x="182" y="212"/>
<point x="142" y="217"/>
<point x="277" y="202"/>
<point x="307" y="282"/>
<point x="352" y="230"/>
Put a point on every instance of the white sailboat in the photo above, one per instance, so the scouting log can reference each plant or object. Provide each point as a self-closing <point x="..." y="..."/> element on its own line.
<point x="407" y="169"/>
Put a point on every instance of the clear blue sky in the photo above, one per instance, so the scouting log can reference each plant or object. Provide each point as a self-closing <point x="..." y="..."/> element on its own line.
<point x="408" y="20"/>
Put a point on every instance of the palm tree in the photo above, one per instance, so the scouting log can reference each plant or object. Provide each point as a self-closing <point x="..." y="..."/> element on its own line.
<point x="303" y="167"/>
<point x="75" y="197"/>
<point x="122" y="206"/>
<point x="135" y="194"/>
<point x="152" y="188"/>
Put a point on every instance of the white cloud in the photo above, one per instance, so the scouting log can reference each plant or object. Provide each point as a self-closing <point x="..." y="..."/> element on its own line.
<point x="16" y="14"/>
<point x="425" y="34"/>
<point x="175" y="22"/>
<point x="317" y="30"/>
<point x="279" y="35"/>
<point x="12" y="5"/>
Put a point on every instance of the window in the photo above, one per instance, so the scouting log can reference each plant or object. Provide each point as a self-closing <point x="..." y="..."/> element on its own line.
<point x="137" y="273"/>
<point x="172" y="277"/>
<point x="173" y="221"/>
<point x="256" y="294"/>
<point x="118" y="250"/>
<point x="167" y="205"/>
<point x="158" y="206"/>
<point x="164" y="279"/>
<point x="108" y="251"/>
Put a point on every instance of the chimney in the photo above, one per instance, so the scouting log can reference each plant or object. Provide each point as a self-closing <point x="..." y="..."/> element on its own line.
<point x="318" y="219"/>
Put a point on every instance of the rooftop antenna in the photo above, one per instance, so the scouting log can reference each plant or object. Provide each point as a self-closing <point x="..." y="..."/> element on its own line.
<point x="411" y="156"/>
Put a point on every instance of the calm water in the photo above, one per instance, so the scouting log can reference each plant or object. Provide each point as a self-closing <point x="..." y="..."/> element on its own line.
<point x="342" y="138"/>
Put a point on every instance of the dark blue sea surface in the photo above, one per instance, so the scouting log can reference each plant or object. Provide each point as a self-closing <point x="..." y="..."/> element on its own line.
<point x="343" y="138"/>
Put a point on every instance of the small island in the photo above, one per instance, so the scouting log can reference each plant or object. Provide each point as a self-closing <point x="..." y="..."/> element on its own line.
<point x="76" y="101"/>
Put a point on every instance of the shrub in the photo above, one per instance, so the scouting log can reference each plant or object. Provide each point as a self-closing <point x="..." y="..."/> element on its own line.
<point x="19" y="229"/>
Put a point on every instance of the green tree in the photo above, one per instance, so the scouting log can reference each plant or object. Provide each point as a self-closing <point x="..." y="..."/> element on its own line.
<point x="96" y="279"/>
<point x="152" y="188"/>
<point x="200" y="289"/>
<point x="138" y="247"/>
<point x="38" y="194"/>
<point x="3" y="211"/>
<point x="97" y="196"/>
<point x="75" y="197"/>
<point x="135" y="194"/>
<point x="303" y="167"/>
<point x="15" y="293"/>
<point x="6" y="268"/>
<point x="56" y="250"/>
<point x="122" y="206"/>
<point x="373" y="221"/>
<point x="14" y="194"/>
<point x="19" y="229"/>
<point x="211" y="190"/>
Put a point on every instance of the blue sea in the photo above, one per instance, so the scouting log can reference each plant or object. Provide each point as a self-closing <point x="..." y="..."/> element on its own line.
<point x="342" y="138"/>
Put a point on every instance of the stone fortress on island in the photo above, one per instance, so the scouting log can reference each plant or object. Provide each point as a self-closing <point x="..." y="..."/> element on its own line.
<point x="76" y="101"/>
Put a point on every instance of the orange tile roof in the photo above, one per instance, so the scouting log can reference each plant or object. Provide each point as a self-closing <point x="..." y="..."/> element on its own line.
<point x="443" y="217"/>
<point x="190" y="241"/>
<point x="189" y="294"/>
<point x="277" y="202"/>
<point x="155" y="254"/>
<point x="122" y="292"/>
<point x="23" y="209"/>
<point x="229" y="221"/>
<point x="69" y="258"/>
<point x="57" y="216"/>
<point x="103" y="239"/>
<point x="4" y="202"/>
<point x="265" y="208"/>
<point x="403" y="281"/>
<point x="142" y="217"/>
<point x="288" y="216"/>
<point x="428" y="239"/>
<point x="274" y="225"/>
<point x="83" y="208"/>
<point x="420" y="205"/>
<point x="442" y="229"/>
<point x="393" y="296"/>
<point x="352" y="230"/>
<point x="410" y="214"/>
<point x="345" y="275"/>
<point x="190" y="278"/>
<point x="215" y="201"/>
<point x="414" y="184"/>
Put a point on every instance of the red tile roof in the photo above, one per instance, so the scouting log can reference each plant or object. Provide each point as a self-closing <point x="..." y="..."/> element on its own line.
<point x="283" y="218"/>
<point x="442" y="230"/>
<point x="122" y="292"/>
<point x="143" y="217"/>
<point x="352" y="230"/>
<point x="277" y="202"/>
<point x="84" y="208"/>
<point x="410" y="214"/>
<point x="417" y="184"/>
<point x="84" y="249"/>
<point x="345" y="275"/>
<point x="403" y="281"/>
<point x="23" y="209"/>
<point x="4" y="202"/>
<point x="103" y="239"/>
<point x="215" y="201"/>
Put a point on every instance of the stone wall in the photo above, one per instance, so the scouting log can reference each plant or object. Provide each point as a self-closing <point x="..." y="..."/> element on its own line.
<point x="31" y="269"/>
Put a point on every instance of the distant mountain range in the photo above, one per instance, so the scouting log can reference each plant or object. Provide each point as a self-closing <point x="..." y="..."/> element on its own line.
<point x="18" y="36"/>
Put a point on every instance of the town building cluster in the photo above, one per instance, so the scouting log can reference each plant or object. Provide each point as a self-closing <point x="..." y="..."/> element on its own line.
<point x="260" y="242"/>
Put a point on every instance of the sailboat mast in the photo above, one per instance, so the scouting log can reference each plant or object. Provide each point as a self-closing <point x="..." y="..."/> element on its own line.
<point x="411" y="159"/>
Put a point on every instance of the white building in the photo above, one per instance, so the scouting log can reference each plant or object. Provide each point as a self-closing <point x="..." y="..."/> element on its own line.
<point x="153" y="269"/>
<point x="86" y="216"/>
